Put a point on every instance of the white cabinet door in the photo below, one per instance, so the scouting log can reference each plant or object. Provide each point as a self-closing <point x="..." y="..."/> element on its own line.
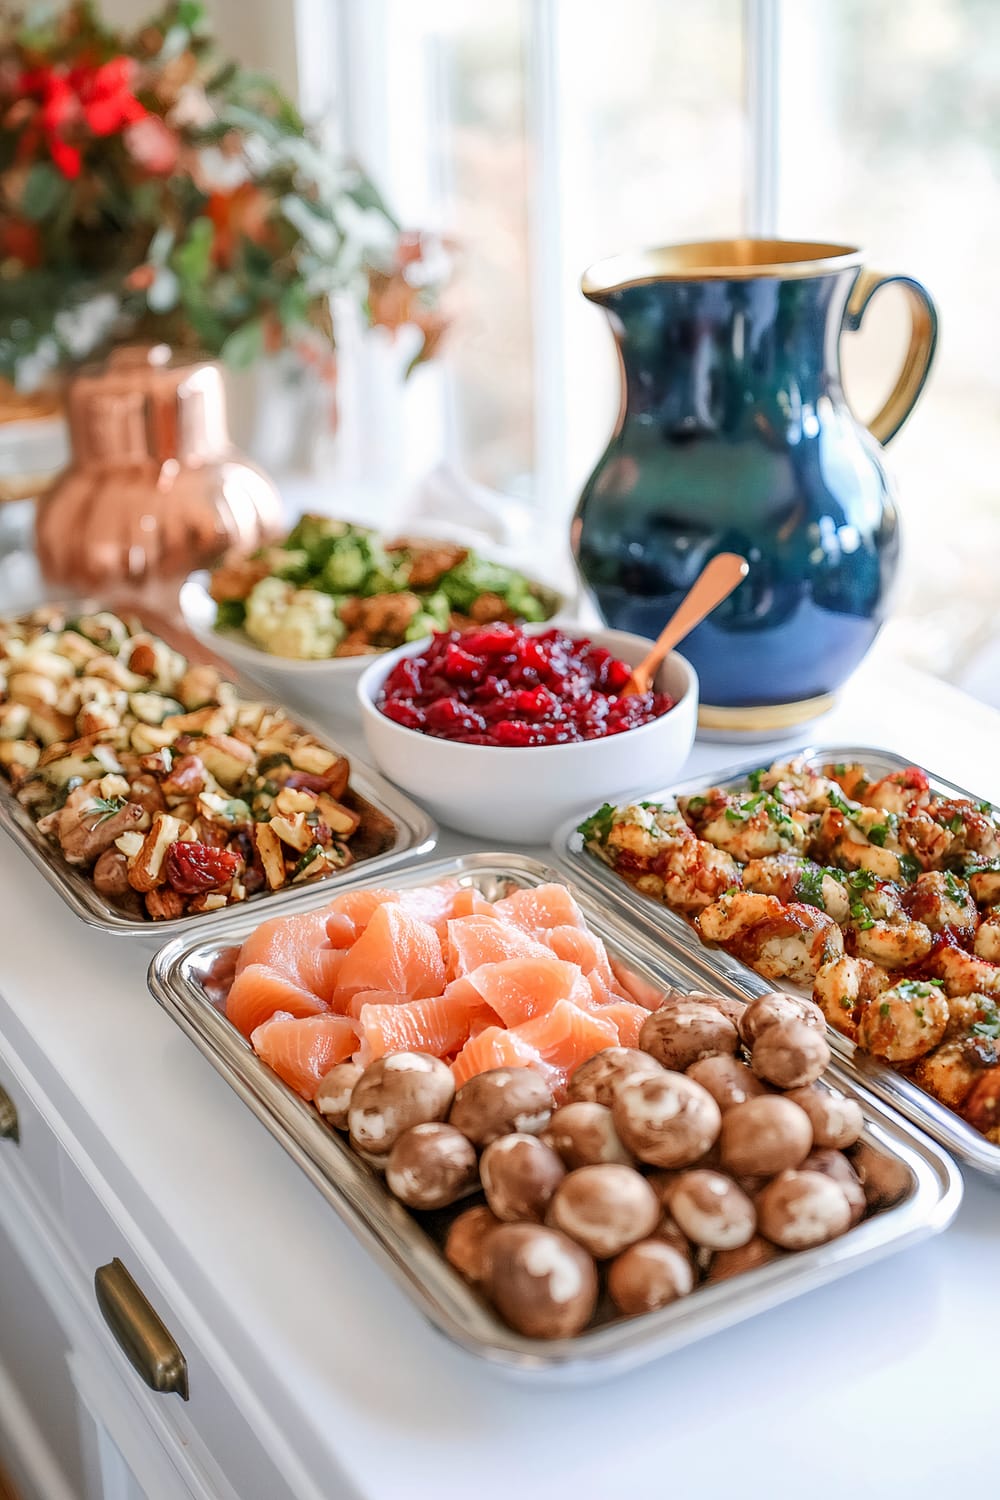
<point x="39" y="1437"/>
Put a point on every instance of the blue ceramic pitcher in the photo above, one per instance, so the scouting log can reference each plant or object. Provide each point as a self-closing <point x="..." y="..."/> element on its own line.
<point x="734" y="435"/>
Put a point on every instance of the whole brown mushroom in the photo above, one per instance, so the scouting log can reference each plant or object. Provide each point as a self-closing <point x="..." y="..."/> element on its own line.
<point x="604" y="1208"/>
<point x="596" y="1079"/>
<point x="756" y="1252"/>
<point x="764" y="1136"/>
<point x="541" y="1283"/>
<point x="884" y="1179"/>
<point x="677" y="1035"/>
<point x="431" y="1165"/>
<point x="500" y="1102"/>
<point x="801" y="1209"/>
<point x="728" y="1080"/>
<point x="333" y="1097"/>
<point x="790" y="1054"/>
<point x="667" y="1120"/>
<point x="768" y="1009"/>
<point x="648" y="1275"/>
<point x="834" y="1164"/>
<point x="584" y="1134"/>
<point x="712" y="1211"/>
<point x="731" y="1009"/>
<point x="465" y="1245"/>
<point x="393" y="1093"/>
<point x="837" y="1121"/>
<point x="519" y="1174"/>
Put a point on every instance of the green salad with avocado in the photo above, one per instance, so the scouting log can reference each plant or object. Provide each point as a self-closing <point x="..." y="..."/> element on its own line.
<point x="334" y="589"/>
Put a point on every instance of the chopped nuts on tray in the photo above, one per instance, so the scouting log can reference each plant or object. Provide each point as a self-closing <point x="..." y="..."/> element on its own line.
<point x="177" y="795"/>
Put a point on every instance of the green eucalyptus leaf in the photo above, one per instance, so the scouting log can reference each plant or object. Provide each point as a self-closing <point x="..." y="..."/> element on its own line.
<point x="44" y="188"/>
<point x="244" y="345"/>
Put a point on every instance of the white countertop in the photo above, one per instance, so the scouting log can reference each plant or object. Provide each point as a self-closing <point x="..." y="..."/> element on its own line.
<point x="883" y="1383"/>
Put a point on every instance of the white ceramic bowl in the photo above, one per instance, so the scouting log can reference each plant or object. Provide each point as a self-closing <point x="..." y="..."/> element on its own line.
<point x="521" y="794"/>
<point x="316" y="687"/>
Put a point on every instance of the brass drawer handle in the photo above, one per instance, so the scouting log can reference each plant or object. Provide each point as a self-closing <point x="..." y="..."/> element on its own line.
<point x="9" y="1130"/>
<point x="139" y="1332"/>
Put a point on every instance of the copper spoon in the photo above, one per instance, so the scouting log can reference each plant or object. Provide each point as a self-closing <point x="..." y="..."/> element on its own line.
<point x="714" y="583"/>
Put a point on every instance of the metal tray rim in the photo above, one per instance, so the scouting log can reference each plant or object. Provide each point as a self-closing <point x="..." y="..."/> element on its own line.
<point x="948" y="1128"/>
<point x="417" y="835"/>
<point x="416" y="1265"/>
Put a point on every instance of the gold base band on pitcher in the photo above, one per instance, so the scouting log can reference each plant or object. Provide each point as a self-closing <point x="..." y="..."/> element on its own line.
<point x="755" y="720"/>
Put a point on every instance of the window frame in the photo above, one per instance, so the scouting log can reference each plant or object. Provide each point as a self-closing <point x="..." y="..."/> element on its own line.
<point x="391" y="434"/>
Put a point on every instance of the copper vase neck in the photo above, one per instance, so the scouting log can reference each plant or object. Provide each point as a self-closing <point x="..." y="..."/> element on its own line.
<point x="145" y="406"/>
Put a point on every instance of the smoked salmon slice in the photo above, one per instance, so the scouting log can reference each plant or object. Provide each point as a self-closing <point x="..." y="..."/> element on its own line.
<point x="538" y="909"/>
<point x="566" y="1035"/>
<point x="627" y="1017"/>
<point x="440" y="1025"/>
<point x="519" y="988"/>
<point x="397" y="952"/>
<point x="284" y="943"/>
<point x="258" y="991"/>
<point x="303" y="1050"/>
<point x="638" y="988"/>
<point x="469" y="903"/>
<point x="476" y="940"/>
<point x="493" y="1048"/>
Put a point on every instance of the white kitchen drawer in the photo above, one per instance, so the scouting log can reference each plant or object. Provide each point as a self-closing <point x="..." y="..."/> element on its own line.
<point x="220" y="1444"/>
<point x="34" y="1155"/>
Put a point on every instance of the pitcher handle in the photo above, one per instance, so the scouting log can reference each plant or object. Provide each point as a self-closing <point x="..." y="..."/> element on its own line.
<point x="923" y="340"/>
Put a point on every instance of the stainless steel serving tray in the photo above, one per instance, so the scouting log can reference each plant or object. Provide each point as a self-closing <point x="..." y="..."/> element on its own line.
<point x="415" y="832"/>
<point x="960" y="1138"/>
<point x="409" y="1247"/>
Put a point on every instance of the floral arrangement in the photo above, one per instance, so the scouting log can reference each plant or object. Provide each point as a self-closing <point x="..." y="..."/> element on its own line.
<point x="148" y="190"/>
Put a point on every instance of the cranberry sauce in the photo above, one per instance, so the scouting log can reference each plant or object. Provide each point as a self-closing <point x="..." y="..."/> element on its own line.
<point x="499" y="686"/>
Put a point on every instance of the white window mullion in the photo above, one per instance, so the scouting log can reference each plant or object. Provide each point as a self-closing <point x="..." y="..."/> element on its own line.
<point x="543" y="125"/>
<point x="762" y="72"/>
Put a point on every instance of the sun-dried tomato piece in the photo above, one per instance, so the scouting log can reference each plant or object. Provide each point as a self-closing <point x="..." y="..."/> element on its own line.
<point x="306" y="781"/>
<point x="193" y="867"/>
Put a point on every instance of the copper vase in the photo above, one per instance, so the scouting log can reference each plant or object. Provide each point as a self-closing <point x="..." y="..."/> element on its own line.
<point x="154" y="487"/>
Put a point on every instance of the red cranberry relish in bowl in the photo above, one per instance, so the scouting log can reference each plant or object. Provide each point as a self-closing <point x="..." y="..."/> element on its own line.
<point x="506" y="735"/>
<point x="503" y="687"/>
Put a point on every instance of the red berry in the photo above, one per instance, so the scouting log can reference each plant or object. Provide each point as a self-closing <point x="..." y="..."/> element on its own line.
<point x="193" y="867"/>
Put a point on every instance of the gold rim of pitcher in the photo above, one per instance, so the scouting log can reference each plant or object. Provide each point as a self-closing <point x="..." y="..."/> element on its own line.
<point x="742" y="259"/>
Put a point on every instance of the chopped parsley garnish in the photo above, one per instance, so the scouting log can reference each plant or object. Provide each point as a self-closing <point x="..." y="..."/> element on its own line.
<point x="878" y="834"/>
<point x="861" y="916"/>
<point x="956" y="823"/>
<point x="733" y="815"/>
<point x="953" y="890"/>
<point x="846" y="1003"/>
<point x="986" y="808"/>
<point x="809" y="888"/>
<point x="918" y="1011"/>
<point x="695" y="804"/>
<point x="752" y="803"/>
<point x="913" y="989"/>
<point x="837" y="801"/>
<point x="754" y="779"/>
<point x="840" y="769"/>
<point x="597" y="828"/>
<point x="861" y="880"/>
<point x="884" y="1009"/>
<point x="990" y="1028"/>
<point x="909" y="867"/>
